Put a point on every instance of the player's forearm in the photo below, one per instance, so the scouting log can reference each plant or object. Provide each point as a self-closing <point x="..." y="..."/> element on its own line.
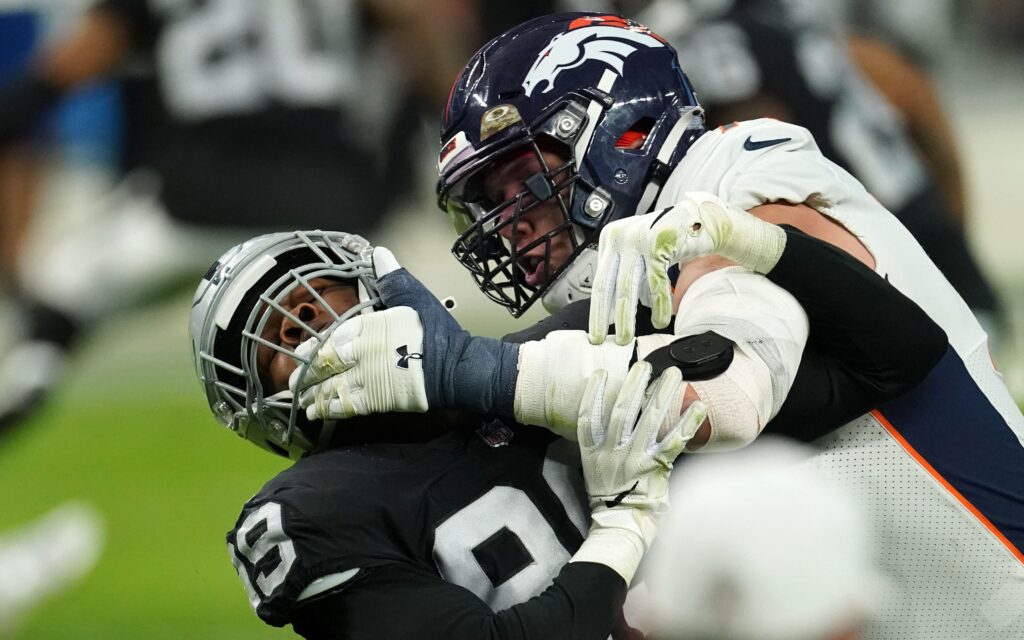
<point x="907" y="87"/>
<point x="94" y="49"/>
<point x="553" y="375"/>
<point x="769" y="330"/>
<point x="583" y="602"/>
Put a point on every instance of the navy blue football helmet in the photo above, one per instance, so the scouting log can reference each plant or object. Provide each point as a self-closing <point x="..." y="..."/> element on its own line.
<point x="601" y="91"/>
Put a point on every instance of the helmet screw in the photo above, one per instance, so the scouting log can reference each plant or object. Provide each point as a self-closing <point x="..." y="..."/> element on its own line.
<point x="621" y="176"/>
<point x="594" y="206"/>
<point x="279" y="431"/>
<point x="225" y="415"/>
<point x="566" y="125"/>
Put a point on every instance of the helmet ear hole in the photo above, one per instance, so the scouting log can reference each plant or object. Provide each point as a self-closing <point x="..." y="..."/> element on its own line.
<point x="636" y="134"/>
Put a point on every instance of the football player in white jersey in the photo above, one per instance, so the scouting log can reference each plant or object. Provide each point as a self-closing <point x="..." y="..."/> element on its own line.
<point x="574" y="123"/>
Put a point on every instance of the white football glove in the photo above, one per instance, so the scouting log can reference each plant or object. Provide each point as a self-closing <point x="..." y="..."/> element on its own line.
<point x="626" y="463"/>
<point x="379" y="354"/>
<point x="636" y="253"/>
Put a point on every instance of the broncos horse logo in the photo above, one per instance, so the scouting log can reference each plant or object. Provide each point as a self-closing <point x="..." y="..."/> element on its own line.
<point x="608" y="39"/>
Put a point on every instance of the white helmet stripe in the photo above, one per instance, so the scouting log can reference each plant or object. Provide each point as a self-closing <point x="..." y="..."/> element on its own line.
<point x="594" y="110"/>
<point x="239" y="286"/>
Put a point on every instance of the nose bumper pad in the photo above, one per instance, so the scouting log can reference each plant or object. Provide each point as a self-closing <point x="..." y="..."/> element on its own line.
<point x="540" y="187"/>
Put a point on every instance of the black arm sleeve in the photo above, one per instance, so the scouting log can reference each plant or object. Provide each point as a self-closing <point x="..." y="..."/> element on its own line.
<point x="867" y="344"/>
<point x="397" y="601"/>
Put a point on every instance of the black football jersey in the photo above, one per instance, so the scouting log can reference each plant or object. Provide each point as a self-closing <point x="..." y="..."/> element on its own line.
<point x="243" y="111"/>
<point x="495" y="511"/>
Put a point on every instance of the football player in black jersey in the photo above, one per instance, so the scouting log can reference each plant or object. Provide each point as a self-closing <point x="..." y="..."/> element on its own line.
<point x="405" y="526"/>
<point x="239" y="116"/>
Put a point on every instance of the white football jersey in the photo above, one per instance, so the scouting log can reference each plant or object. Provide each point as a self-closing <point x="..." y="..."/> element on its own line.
<point x="941" y="469"/>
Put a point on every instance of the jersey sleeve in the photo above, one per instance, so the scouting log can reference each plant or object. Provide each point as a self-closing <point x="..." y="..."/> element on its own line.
<point x="791" y="170"/>
<point x="399" y="601"/>
<point x="278" y="553"/>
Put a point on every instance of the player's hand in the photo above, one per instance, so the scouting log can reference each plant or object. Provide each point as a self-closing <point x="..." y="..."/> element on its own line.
<point x="368" y="364"/>
<point x="446" y="365"/>
<point x="636" y="253"/>
<point x="627" y="462"/>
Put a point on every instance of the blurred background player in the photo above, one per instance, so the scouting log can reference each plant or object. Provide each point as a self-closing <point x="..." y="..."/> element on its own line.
<point x="40" y="558"/>
<point x="237" y="116"/>
<point x="773" y="551"/>
<point x="74" y="144"/>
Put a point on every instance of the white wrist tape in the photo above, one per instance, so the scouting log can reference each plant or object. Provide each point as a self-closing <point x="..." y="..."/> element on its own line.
<point x="617" y="547"/>
<point x="770" y="330"/>
<point x="553" y="375"/>
<point x="739" y="235"/>
<point x="736" y="419"/>
<point x="645" y="345"/>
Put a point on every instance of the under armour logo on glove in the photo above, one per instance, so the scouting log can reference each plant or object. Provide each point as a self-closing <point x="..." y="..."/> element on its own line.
<point x="404" y="356"/>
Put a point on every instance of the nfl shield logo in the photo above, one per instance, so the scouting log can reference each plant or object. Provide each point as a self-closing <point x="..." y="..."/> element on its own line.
<point x="495" y="434"/>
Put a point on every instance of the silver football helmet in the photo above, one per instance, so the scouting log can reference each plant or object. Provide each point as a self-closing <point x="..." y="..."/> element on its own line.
<point x="230" y="310"/>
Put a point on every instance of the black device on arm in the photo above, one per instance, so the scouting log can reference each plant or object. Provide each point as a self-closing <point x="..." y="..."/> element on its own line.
<point x="698" y="357"/>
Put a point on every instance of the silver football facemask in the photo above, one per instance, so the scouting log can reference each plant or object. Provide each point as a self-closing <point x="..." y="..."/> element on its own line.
<point x="231" y="309"/>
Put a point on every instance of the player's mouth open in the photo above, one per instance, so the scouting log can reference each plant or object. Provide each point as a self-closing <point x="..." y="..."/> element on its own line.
<point x="535" y="269"/>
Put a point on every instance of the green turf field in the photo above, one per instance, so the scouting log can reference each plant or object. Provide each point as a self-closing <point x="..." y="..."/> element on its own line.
<point x="132" y="436"/>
